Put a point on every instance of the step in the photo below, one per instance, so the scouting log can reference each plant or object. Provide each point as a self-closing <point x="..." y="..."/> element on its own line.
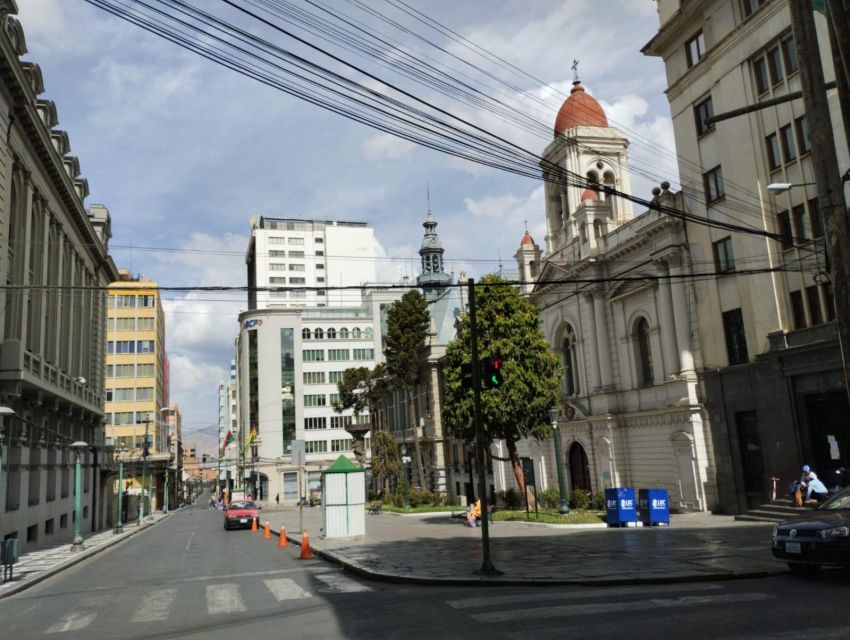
<point x="773" y="508"/>
<point x="749" y="518"/>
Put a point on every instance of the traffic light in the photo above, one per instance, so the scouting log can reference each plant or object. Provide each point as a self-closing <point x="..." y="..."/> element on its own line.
<point x="492" y="378"/>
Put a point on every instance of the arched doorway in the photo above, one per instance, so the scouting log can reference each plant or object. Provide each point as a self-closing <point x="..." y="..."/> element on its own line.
<point x="579" y="468"/>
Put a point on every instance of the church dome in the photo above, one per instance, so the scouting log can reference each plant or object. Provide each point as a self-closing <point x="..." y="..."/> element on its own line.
<point x="527" y="240"/>
<point x="589" y="194"/>
<point x="579" y="110"/>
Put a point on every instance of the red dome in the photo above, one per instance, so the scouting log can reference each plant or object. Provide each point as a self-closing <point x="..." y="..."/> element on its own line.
<point x="527" y="240"/>
<point x="589" y="194"/>
<point x="579" y="110"/>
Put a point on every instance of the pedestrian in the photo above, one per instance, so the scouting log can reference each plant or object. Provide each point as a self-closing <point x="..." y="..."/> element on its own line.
<point x="277" y="499"/>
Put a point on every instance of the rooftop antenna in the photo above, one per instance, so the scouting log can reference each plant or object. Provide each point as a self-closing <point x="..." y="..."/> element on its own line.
<point x="428" y="195"/>
<point x="526" y="225"/>
<point x="500" y="261"/>
<point x="574" y="67"/>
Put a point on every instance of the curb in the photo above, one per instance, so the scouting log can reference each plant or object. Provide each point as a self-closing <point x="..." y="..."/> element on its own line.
<point x="85" y="555"/>
<point x="498" y="581"/>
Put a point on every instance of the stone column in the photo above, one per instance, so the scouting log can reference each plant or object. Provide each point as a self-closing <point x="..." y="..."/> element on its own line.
<point x="594" y="377"/>
<point x="670" y="350"/>
<point x="680" y="313"/>
<point x="603" y="349"/>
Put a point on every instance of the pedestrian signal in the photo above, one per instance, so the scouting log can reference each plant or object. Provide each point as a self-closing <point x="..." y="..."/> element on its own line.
<point x="493" y="372"/>
<point x="466" y="376"/>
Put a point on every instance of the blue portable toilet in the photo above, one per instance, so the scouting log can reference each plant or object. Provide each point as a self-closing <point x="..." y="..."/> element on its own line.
<point x="654" y="506"/>
<point x="620" y="506"/>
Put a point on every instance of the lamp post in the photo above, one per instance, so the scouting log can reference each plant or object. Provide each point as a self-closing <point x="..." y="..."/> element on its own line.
<point x="4" y="411"/>
<point x="168" y="463"/>
<point x="119" y="524"/>
<point x="564" y="507"/>
<point x="78" y="448"/>
<point x="405" y="459"/>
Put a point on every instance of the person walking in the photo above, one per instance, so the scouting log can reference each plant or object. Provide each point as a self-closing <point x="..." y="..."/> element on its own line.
<point x="277" y="499"/>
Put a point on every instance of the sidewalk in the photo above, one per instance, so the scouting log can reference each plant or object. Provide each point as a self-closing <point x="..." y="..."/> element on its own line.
<point x="41" y="564"/>
<point x="434" y="548"/>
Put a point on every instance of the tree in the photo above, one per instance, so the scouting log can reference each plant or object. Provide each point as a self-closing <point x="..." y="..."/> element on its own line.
<point x="408" y="323"/>
<point x="509" y="327"/>
<point x="361" y="388"/>
<point x="386" y="460"/>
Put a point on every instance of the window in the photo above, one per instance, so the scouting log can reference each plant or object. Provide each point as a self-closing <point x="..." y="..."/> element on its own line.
<point x="340" y="445"/>
<point x="315" y="400"/>
<point x="144" y="370"/>
<point x="814" y="304"/>
<point x="314" y="377"/>
<point x="334" y="399"/>
<point x="127" y="324"/>
<point x="789" y="53"/>
<point x="355" y="333"/>
<point x="335" y="376"/>
<point x="121" y="346"/>
<point x="331" y="334"/>
<point x="277" y="254"/>
<point x="121" y="371"/>
<point x="724" y="257"/>
<point x="702" y="112"/>
<point x="319" y="252"/>
<point x="123" y="395"/>
<point x="570" y="358"/>
<point x="316" y="446"/>
<point x="315" y="423"/>
<point x="644" y="352"/>
<point x="340" y="422"/>
<point x="145" y="324"/>
<point x="320" y="279"/>
<point x="125" y="302"/>
<point x="320" y="267"/>
<point x="695" y="49"/>
<point x="337" y="355"/>
<point x="319" y="240"/>
<point x="789" y="150"/>
<point x="297" y="242"/>
<point x="783" y="222"/>
<point x="797" y="310"/>
<point x="313" y="355"/>
<point x="801" y="125"/>
<point x="736" y="340"/>
<point x="146" y="346"/>
<point x="296" y="254"/>
<point x="713" y="185"/>
<point x="320" y="293"/>
<point x="297" y="281"/>
<point x="751" y="6"/>
<point x="774" y="65"/>
<point x="320" y="334"/>
<point x="144" y="393"/>
<point x="773" y="159"/>
<point x="760" y="74"/>
<point x="277" y="280"/>
<point x="296" y="267"/>
<point x="343" y="333"/>
<point x="123" y="417"/>
<point x="815" y="218"/>
<point x="276" y="240"/>
<point x="276" y="266"/>
<point x="305" y="334"/>
<point x="798" y="217"/>
<point x="364" y="354"/>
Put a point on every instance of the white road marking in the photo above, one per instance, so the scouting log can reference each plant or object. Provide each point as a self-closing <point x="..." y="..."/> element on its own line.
<point x="286" y="589"/>
<point x="224" y="598"/>
<point x="592" y="608"/>
<point x="228" y="576"/>
<point x="338" y="583"/>
<point x="72" y="622"/>
<point x="607" y="592"/>
<point x="188" y="544"/>
<point x="155" y="606"/>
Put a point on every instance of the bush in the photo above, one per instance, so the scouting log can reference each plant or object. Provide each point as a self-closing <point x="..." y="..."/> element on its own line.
<point x="509" y="499"/>
<point x="417" y="498"/>
<point x="580" y="500"/>
<point x="598" y="501"/>
<point x="550" y="498"/>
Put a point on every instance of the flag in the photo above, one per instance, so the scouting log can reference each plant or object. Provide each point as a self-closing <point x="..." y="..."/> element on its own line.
<point x="228" y="440"/>
<point x="249" y="440"/>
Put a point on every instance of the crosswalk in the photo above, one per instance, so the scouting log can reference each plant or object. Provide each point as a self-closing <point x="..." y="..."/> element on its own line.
<point x="222" y="599"/>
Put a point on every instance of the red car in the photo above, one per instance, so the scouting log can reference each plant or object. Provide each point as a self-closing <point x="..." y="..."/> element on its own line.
<point x="240" y="513"/>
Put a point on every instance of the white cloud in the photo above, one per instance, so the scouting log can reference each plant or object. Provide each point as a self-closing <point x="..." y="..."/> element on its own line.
<point x="385" y="146"/>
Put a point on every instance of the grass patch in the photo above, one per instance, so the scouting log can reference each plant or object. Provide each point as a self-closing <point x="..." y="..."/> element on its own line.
<point x="422" y="509"/>
<point x="551" y="516"/>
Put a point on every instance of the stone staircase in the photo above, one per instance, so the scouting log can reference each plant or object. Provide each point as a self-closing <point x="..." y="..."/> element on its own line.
<point x="777" y="511"/>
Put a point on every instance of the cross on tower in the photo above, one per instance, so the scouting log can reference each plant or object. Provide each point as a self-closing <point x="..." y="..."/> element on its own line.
<point x="575" y="70"/>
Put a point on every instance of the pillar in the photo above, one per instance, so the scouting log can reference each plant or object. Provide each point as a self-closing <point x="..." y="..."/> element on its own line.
<point x="669" y="348"/>
<point x="603" y="349"/>
<point x="680" y="314"/>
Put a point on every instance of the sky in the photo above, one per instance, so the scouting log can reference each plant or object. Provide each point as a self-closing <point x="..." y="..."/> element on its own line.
<point x="183" y="152"/>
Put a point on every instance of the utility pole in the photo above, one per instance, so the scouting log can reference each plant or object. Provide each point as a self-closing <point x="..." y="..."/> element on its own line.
<point x="826" y="170"/>
<point x="838" y="19"/>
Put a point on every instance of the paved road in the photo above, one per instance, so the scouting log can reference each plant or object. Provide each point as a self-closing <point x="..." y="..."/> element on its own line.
<point x="188" y="578"/>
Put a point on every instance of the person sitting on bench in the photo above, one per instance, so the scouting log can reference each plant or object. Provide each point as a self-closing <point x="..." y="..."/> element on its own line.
<point x="474" y="513"/>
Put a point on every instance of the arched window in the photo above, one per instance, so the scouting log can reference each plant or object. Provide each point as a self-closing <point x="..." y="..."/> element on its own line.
<point x="610" y="183"/>
<point x="305" y="333"/>
<point x="598" y="231"/>
<point x="355" y="333"/>
<point x="343" y="334"/>
<point x="319" y="334"/>
<point x="331" y="334"/>
<point x="570" y="353"/>
<point x="367" y="333"/>
<point x="643" y="352"/>
<point x="592" y="176"/>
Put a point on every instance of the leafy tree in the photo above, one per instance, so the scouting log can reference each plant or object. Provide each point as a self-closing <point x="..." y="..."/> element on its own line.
<point x="408" y="323"/>
<point x="361" y="388"/>
<point x="508" y="326"/>
<point x="386" y="460"/>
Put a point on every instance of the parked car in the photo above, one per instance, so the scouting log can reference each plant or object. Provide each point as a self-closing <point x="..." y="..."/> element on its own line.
<point x="240" y="513"/>
<point x="819" y="538"/>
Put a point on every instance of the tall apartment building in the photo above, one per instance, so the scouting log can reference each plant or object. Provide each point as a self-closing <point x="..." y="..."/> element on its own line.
<point x="771" y="364"/>
<point x="136" y="374"/>
<point x="296" y="254"/>
<point x="173" y="419"/>
<point x="228" y="425"/>
<point x="53" y="259"/>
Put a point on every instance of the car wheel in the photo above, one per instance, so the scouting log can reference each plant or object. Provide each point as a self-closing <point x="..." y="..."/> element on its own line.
<point x="226" y="526"/>
<point x="803" y="569"/>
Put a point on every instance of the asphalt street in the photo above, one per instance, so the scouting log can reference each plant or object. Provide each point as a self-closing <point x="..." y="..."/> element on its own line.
<point x="188" y="578"/>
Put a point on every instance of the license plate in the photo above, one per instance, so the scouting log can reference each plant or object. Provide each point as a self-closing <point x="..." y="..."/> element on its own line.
<point x="245" y="520"/>
<point x="792" y="547"/>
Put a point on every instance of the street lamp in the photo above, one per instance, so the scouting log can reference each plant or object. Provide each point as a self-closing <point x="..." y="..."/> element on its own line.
<point x="405" y="459"/>
<point x="564" y="507"/>
<point x="119" y="525"/>
<point x="79" y="446"/>
<point x="167" y="464"/>
<point x="782" y="187"/>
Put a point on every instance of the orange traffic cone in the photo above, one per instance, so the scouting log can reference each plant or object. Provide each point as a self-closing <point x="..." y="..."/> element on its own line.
<point x="267" y="534"/>
<point x="306" y="552"/>
<point x="282" y="541"/>
<point x="253" y="524"/>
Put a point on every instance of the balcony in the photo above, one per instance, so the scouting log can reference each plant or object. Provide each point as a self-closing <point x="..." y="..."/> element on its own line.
<point x="780" y="341"/>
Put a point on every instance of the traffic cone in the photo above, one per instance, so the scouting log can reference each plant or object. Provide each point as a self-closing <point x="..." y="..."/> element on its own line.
<point x="282" y="541"/>
<point x="267" y="534"/>
<point x="253" y="524"/>
<point x="306" y="552"/>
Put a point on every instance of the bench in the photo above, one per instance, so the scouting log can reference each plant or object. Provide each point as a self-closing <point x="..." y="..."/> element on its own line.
<point x="375" y="509"/>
